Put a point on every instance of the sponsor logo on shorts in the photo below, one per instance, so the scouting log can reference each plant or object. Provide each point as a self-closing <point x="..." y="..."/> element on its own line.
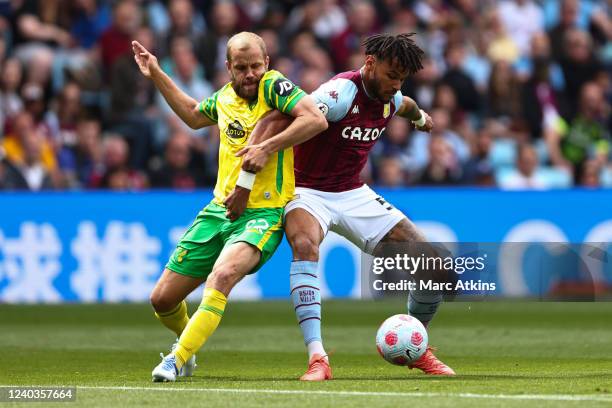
<point x="259" y="225"/>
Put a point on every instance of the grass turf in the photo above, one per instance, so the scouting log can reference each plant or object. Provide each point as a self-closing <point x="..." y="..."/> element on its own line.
<point x="505" y="351"/>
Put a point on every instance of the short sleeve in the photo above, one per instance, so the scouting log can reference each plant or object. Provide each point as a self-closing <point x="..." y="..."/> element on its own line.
<point x="334" y="98"/>
<point x="280" y="93"/>
<point x="398" y="99"/>
<point x="208" y="107"/>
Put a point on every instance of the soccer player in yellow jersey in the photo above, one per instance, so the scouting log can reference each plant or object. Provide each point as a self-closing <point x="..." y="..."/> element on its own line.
<point x="219" y="247"/>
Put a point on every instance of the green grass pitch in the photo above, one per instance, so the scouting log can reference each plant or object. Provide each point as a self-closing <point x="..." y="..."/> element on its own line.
<point x="505" y="354"/>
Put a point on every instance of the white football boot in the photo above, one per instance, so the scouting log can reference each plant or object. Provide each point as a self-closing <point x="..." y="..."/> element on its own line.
<point x="165" y="371"/>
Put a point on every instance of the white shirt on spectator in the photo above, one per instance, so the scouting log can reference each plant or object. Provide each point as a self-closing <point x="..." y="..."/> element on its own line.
<point x="519" y="181"/>
<point x="521" y="22"/>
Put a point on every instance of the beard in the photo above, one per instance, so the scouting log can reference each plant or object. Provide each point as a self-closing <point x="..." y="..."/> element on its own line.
<point x="245" y="91"/>
<point x="376" y="90"/>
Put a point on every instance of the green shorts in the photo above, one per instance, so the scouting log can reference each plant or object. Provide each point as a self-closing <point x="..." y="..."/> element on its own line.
<point x="199" y="248"/>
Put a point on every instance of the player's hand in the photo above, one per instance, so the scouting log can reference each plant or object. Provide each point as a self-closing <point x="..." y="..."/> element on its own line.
<point x="428" y="123"/>
<point x="146" y="61"/>
<point x="254" y="157"/>
<point x="236" y="202"/>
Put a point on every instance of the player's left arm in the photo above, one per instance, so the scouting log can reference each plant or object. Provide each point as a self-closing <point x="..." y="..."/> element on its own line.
<point x="409" y="109"/>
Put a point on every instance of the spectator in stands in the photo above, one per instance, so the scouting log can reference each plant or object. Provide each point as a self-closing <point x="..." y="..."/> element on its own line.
<point x="324" y="18"/>
<point x="588" y="134"/>
<point x="43" y="43"/>
<point x="591" y="171"/>
<point x="422" y="86"/>
<point x="390" y="172"/>
<point x="421" y="145"/>
<point x="29" y="173"/>
<point x="10" y="101"/>
<point x="302" y="44"/>
<point x="90" y="18"/>
<point x="128" y="92"/>
<point x="63" y="121"/>
<point x="311" y="78"/>
<point x="395" y="142"/>
<point x="500" y="45"/>
<point x="521" y="19"/>
<point x="361" y="22"/>
<point x="37" y="31"/>
<point x="132" y="102"/>
<point x="34" y="103"/>
<point x="443" y="167"/>
<point x="223" y="23"/>
<point x="182" y="24"/>
<point x="524" y="177"/>
<point x="463" y="86"/>
<point x="587" y="15"/>
<point x="504" y="96"/>
<point x="117" y="39"/>
<point x="543" y="102"/>
<point x="175" y="172"/>
<point x="479" y="169"/>
<point x="80" y="161"/>
<point x="579" y="64"/>
<point x="270" y="38"/>
<point x="540" y="53"/>
<point x="14" y="142"/>
<point x="186" y="73"/>
<point x="568" y="20"/>
<point x="117" y="174"/>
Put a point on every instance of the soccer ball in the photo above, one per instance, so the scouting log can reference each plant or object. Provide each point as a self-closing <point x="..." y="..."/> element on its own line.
<point x="401" y="339"/>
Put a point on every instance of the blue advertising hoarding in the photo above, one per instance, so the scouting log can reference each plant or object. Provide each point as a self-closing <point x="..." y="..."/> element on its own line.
<point x="111" y="247"/>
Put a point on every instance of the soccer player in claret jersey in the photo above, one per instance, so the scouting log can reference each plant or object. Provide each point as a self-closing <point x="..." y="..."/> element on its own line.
<point x="330" y="195"/>
<point x="219" y="247"/>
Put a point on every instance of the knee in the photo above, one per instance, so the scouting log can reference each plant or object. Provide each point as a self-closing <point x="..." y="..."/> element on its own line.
<point x="304" y="247"/>
<point x="161" y="303"/>
<point x="224" y="277"/>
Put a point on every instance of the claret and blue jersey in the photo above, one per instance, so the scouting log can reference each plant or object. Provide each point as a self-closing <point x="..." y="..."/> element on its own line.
<point x="333" y="160"/>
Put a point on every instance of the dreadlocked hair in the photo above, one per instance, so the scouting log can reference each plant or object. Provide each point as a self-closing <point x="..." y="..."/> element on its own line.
<point x="398" y="49"/>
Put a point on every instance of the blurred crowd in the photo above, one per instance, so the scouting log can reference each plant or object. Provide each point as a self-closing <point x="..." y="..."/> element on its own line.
<point x="519" y="90"/>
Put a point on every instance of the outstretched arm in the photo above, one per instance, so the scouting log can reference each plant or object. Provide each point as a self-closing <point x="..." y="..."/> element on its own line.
<point x="419" y="118"/>
<point x="182" y="104"/>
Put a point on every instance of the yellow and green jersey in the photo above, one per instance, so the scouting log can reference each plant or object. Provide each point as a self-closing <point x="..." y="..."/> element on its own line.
<point x="236" y="117"/>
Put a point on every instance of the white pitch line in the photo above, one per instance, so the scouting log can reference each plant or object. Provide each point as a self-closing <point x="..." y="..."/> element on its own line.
<point x="545" y="397"/>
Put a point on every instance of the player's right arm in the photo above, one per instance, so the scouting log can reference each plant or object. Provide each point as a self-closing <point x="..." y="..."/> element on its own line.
<point x="333" y="99"/>
<point x="182" y="104"/>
